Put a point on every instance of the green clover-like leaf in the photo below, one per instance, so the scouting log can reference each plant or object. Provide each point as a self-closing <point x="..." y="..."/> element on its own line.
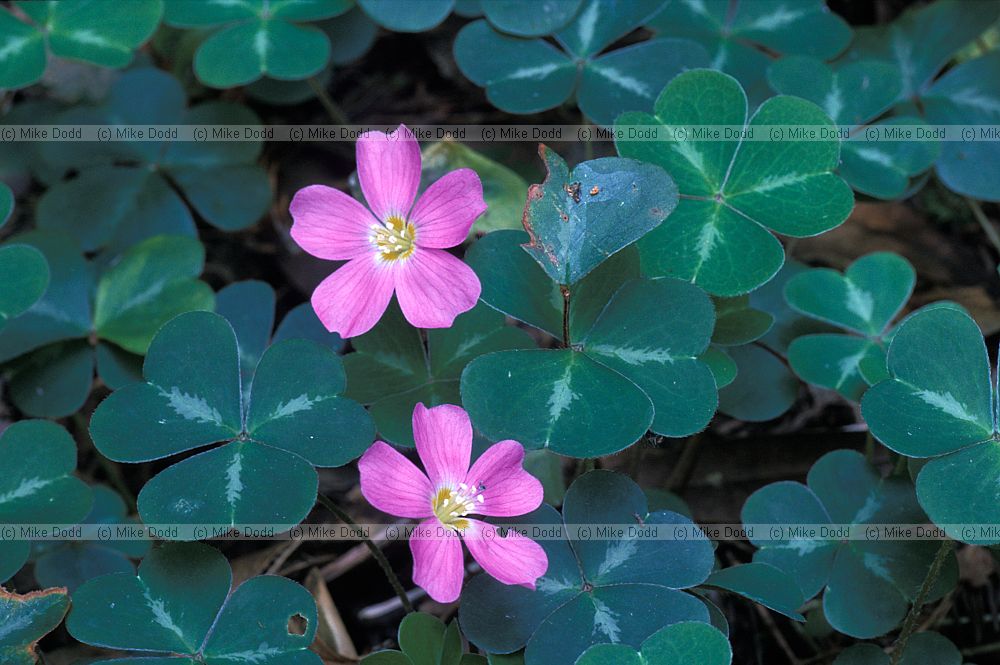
<point x="24" y="273"/>
<point x="921" y="43"/>
<point x="577" y="219"/>
<point x="742" y="37"/>
<point x="257" y="38"/>
<point x="869" y="584"/>
<point x="70" y="563"/>
<point x="680" y="644"/>
<point x="925" y="648"/>
<point x="763" y="387"/>
<point x="938" y="403"/>
<point x="530" y="75"/>
<point x="23" y="269"/>
<point x="788" y="324"/>
<point x="406" y="15"/>
<point x="621" y="375"/>
<point x="737" y="323"/>
<point x="392" y="371"/>
<point x="295" y="419"/>
<point x="591" y="589"/>
<point x="102" y="32"/>
<point x="425" y="640"/>
<point x="37" y="485"/>
<point x="734" y="193"/>
<point x="969" y="94"/>
<point x="179" y="605"/>
<point x="351" y="35"/>
<point x="922" y="40"/>
<point x="516" y="285"/>
<point x="761" y="583"/>
<point x="55" y="344"/>
<point x="530" y="18"/>
<point x="854" y="95"/>
<point x="863" y="300"/>
<point x="127" y="191"/>
<point x="503" y="190"/>
<point x="26" y="619"/>
<point x="249" y="308"/>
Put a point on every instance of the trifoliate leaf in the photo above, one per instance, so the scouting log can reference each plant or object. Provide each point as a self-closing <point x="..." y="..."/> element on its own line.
<point x="863" y="301"/>
<point x="531" y="75"/>
<point x="939" y="403"/>
<point x="102" y="32"/>
<point x="191" y="397"/>
<point x="869" y="583"/>
<point x="742" y="37"/>
<point x="590" y="591"/>
<point x="854" y="95"/>
<point x="733" y="193"/>
<point x="180" y="603"/>
<point x="219" y="179"/>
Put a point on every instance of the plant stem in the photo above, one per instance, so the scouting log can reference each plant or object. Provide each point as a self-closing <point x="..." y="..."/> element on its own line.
<point x="910" y="623"/>
<point x="373" y="548"/>
<point x="981" y="649"/>
<point x="902" y="466"/>
<point x="565" y="294"/>
<point x="336" y="114"/>
<point x="869" y="447"/>
<point x="685" y="463"/>
<point x="984" y="222"/>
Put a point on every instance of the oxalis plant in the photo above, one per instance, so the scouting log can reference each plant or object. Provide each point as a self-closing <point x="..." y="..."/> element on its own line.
<point x="631" y="396"/>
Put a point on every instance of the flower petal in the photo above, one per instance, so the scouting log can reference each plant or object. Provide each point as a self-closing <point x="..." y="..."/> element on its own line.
<point x="434" y="287"/>
<point x="354" y="297"/>
<point x="438" y="561"/>
<point x="394" y="484"/>
<point x="511" y="559"/>
<point x="509" y="489"/>
<point x="445" y="212"/>
<point x="389" y="171"/>
<point x="329" y="224"/>
<point x="444" y="442"/>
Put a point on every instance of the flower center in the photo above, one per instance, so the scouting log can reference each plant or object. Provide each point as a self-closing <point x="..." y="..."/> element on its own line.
<point x="451" y="505"/>
<point x="394" y="239"/>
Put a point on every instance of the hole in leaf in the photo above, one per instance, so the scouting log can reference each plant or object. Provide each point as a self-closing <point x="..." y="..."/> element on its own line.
<point x="297" y="624"/>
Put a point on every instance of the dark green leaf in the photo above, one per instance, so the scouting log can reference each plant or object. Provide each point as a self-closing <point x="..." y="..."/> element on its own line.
<point x="180" y="603"/>
<point x="37" y="486"/>
<point x="734" y="193"/>
<point x="592" y="589"/>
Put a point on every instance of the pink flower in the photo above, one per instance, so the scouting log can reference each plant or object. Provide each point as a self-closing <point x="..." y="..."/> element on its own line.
<point x="496" y="485"/>
<point x="396" y="246"/>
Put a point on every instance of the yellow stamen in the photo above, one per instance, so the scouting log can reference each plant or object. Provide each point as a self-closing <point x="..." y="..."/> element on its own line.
<point x="395" y="239"/>
<point x="451" y="506"/>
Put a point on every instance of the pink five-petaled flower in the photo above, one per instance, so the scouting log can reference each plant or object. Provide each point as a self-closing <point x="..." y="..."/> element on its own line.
<point x="496" y="486"/>
<point x="396" y="246"/>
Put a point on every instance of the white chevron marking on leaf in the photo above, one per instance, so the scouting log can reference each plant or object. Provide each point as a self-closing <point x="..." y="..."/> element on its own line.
<point x="946" y="402"/>
<point x="26" y="488"/>
<point x="191" y="407"/>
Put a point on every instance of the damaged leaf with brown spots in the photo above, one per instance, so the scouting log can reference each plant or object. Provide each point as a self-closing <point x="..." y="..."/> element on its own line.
<point x="25" y="619"/>
<point x="579" y="218"/>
